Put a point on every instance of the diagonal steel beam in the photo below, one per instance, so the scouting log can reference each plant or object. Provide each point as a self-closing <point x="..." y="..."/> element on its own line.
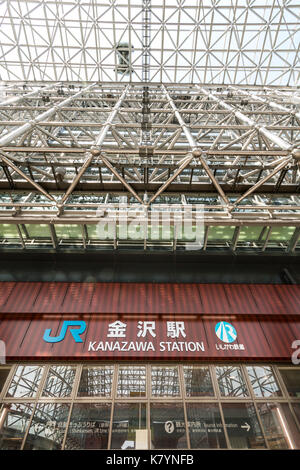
<point x="272" y="104"/>
<point x="96" y="151"/>
<point x="196" y="151"/>
<point x="16" y="99"/>
<point x="8" y="162"/>
<point x="121" y="179"/>
<point x="275" y="139"/>
<point x="15" y="133"/>
<point x="264" y="180"/>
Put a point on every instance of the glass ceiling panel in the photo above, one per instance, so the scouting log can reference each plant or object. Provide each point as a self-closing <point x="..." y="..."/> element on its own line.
<point x="215" y="41"/>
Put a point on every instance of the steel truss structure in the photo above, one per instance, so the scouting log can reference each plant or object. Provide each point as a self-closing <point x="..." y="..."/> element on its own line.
<point x="253" y="42"/>
<point x="117" y="117"/>
<point x="73" y="155"/>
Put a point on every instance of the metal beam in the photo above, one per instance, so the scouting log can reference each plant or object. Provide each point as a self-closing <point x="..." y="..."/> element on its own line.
<point x="95" y="150"/>
<point x="14" y="134"/>
<point x="16" y="99"/>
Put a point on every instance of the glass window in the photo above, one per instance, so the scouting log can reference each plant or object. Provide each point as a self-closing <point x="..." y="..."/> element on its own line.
<point x="296" y="408"/>
<point x="128" y="419"/>
<point x="167" y="426"/>
<point x="197" y="381"/>
<point x="220" y="233"/>
<point x="37" y="230"/>
<point x="263" y="381"/>
<point x="89" y="426"/>
<point x="59" y="381"/>
<point x="96" y="381"/>
<point x="205" y="426"/>
<point x="25" y="381"/>
<point x="271" y="415"/>
<point x="3" y="376"/>
<point x="291" y="378"/>
<point x="250" y="233"/>
<point x="14" y="419"/>
<point x="48" y="427"/>
<point x="9" y="231"/>
<point x="290" y="426"/>
<point x="231" y="381"/>
<point x="132" y="381"/>
<point x="68" y="231"/>
<point x="165" y="381"/>
<point x="242" y="426"/>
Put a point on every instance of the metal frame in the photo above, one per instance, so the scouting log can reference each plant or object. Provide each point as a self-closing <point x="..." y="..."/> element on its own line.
<point x="182" y="398"/>
<point x="193" y="42"/>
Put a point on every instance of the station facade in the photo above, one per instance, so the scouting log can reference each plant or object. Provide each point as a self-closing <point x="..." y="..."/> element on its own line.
<point x="149" y="366"/>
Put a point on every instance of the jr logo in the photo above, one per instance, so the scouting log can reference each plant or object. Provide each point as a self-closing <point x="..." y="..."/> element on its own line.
<point x="75" y="332"/>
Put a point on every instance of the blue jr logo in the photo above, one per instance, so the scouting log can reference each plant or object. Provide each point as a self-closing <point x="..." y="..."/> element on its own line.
<point x="75" y="332"/>
<point x="225" y="332"/>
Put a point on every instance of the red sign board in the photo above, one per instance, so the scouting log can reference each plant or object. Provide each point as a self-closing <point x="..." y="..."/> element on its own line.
<point x="148" y="337"/>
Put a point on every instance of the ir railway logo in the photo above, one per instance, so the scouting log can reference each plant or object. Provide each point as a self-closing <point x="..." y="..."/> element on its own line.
<point x="225" y="332"/>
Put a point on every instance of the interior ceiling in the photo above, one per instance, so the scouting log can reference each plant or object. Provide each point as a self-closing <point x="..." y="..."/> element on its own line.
<point x="249" y="42"/>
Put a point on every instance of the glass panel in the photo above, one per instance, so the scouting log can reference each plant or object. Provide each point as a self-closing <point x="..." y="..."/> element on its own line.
<point x="48" y="427"/>
<point x="290" y="428"/>
<point x="242" y="426"/>
<point x="165" y="381"/>
<point x="128" y="418"/>
<point x="263" y="382"/>
<point x="38" y="230"/>
<point x="96" y="381"/>
<point x="3" y="376"/>
<point x="205" y="426"/>
<point x="8" y="231"/>
<point x="167" y="426"/>
<point x="296" y="408"/>
<point x="272" y="420"/>
<point x="220" y="233"/>
<point x="281" y="234"/>
<point x="89" y="426"/>
<point x="250" y="233"/>
<point x="291" y="378"/>
<point x="25" y="381"/>
<point x="68" y="231"/>
<point x="14" y="419"/>
<point x="197" y="381"/>
<point x="59" y="382"/>
<point x="103" y="231"/>
<point x="231" y="381"/>
<point x="132" y="381"/>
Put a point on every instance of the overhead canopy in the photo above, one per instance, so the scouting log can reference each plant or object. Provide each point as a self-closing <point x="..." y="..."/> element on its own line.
<point x="190" y="41"/>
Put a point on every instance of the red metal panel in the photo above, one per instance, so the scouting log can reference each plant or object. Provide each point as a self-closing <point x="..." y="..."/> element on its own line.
<point x="6" y="289"/>
<point x="23" y="297"/>
<point x="241" y="299"/>
<point x="105" y="298"/>
<point x="187" y="299"/>
<point x="267" y="299"/>
<point x="214" y="299"/>
<point x="78" y="297"/>
<point x="50" y="297"/>
<point x="290" y="298"/>
<point x="257" y="339"/>
<point x="142" y="298"/>
<point x="280" y="335"/>
<point x="133" y="298"/>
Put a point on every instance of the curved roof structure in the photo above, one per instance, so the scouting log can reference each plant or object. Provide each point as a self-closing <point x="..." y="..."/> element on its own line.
<point x="115" y="116"/>
<point x="249" y="42"/>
